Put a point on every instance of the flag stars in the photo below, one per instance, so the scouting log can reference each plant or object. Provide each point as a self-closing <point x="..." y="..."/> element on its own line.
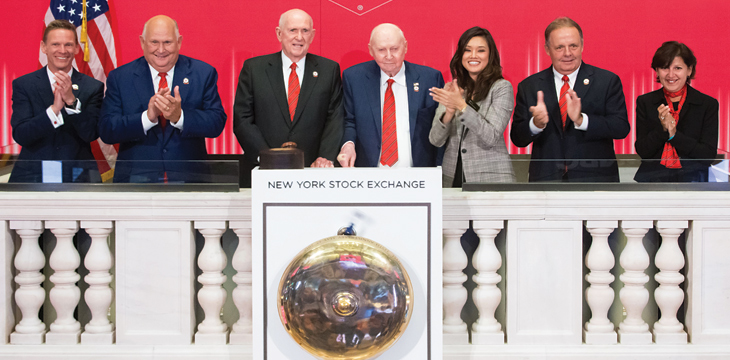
<point x="74" y="1"/>
<point x="61" y="8"/>
<point x="97" y="7"/>
<point x="72" y="12"/>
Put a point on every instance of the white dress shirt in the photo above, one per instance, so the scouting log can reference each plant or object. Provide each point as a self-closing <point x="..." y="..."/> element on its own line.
<point x="146" y="123"/>
<point x="402" y="127"/>
<point x="558" y="78"/>
<point x="57" y="120"/>
<point x="285" y="67"/>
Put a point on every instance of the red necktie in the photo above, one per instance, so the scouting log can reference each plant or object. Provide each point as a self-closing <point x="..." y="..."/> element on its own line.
<point x="563" y="99"/>
<point x="163" y="84"/>
<point x="389" y="155"/>
<point x="293" y="95"/>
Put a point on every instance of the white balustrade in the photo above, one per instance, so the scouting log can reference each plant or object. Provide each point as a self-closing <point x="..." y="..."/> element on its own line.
<point x="65" y="294"/>
<point x="99" y="294"/>
<point x="599" y="295"/>
<point x="634" y="296"/>
<point x="669" y="296"/>
<point x="29" y="297"/>
<point x="241" y="332"/>
<point x="212" y="260"/>
<point x="455" y="295"/>
<point x="487" y="296"/>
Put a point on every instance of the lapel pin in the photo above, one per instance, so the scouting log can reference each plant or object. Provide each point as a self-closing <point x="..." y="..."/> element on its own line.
<point x="315" y="74"/>
<point x="415" y="87"/>
<point x="586" y="81"/>
<point x="74" y="86"/>
<point x="186" y="81"/>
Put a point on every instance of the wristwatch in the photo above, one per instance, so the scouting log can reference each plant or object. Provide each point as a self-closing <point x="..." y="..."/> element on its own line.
<point x="73" y="104"/>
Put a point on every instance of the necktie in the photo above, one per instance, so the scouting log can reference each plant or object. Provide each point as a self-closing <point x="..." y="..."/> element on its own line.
<point x="389" y="155"/>
<point x="163" y="84"/>
<point x="563" y="100"/>
<point x="293" y="95"/>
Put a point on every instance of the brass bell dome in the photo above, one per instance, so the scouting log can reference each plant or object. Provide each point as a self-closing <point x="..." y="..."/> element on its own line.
<point x="345" y="297"/>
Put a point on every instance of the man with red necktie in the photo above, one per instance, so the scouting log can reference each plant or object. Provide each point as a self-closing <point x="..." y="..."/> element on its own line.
<point x="388" y="111"/>
<point x="160" y="108"/>
<point x="570" y="112"/>
<point x="290" y="96"/>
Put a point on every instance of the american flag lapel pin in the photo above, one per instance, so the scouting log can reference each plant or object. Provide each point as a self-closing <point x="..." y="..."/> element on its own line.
<point x="315" y="74"/>
<point x="415" y="87"/>
<point x="74" y="86"/>
<point x="186" y="81"/>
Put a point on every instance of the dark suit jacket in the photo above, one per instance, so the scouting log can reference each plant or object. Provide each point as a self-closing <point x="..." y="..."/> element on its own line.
<point x="32" y="129"/>
<point x="261" y="111"/>
<point x="696" y="137"/>
<point x="580" y="152"/>
<point x="364" y="121"/>
<point x="180" y="154"/>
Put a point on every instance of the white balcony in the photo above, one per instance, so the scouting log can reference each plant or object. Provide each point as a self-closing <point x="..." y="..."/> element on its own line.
<point x="167" y="275"/>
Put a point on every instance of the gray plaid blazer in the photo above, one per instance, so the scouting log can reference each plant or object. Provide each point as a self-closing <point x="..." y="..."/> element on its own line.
<point x="484" y="155"/>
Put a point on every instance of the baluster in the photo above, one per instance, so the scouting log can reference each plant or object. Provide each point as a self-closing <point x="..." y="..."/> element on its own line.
<point x="600" y="295"/>
<point x="487" y="296"/>
<point x="242" y="294"/>
<point x="669" y="296"/>
<point x="65" y="294"/>
<point x="99" y="295"/>
<point x="634" y="296"/>
<point x="212" y="296"/>
<point x="455" y="295"/>
<point x="29" y="296"/>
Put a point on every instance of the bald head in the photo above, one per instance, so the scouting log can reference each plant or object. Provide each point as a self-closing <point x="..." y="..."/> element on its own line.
<point x="161" y="42"/>
<point x="161" y="20"/>
<point x="295" y="33"/>
<point x="388" y="46"/>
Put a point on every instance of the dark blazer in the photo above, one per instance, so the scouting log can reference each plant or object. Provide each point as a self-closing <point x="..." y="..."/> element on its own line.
<point x="696" y="137"/>
<point x="261" y="111"/>
<point x="147" y="157"/>
<point x="580" y="152"/>
<point x="364" y="121"/>
<point x="32" y="129"/>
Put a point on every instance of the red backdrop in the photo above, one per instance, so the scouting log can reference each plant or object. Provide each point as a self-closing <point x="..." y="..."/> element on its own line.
<point x="620" y="36"/>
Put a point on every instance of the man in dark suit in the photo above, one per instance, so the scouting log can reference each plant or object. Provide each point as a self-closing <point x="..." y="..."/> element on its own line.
<point x="277" y="104"/>
<point x="368" y="86"/>
<point x="160" y="108"/>
<point x="570" y="112"/>
<point x="55" y="112"/>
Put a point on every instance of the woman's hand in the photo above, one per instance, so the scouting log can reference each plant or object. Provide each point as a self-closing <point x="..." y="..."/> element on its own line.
<point x="667" y="120"/>
<point x="450" y="96"/>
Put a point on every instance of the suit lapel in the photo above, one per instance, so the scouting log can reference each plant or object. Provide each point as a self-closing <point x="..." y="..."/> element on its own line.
<point x="413" y="98"/>
<point x="182" y="71"/>
<point x="44" y="86"/>
<point x="309" y="81"/>
<point x="144" y="88"/>
<point x="372" y="79"/>
<point x="276" y="79"/>
<point x="583" y="81"/>
<point x="551" y="98"/>
<point x="76" y="78"/>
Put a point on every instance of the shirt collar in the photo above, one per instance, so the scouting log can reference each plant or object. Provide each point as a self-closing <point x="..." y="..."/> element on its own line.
<point x="52" y="77"/>
<point x="571" y="77"/>
<point x="155" y="73"/>
<point x="286" y="62"/>
<point x="399" y="78"/>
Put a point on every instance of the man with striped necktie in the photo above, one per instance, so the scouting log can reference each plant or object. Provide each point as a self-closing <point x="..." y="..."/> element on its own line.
<point x="570" y="112"/>
<point x="388" y="111"/>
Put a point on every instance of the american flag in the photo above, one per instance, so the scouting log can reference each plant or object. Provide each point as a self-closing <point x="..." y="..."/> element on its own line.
<point x="102" y="56"/>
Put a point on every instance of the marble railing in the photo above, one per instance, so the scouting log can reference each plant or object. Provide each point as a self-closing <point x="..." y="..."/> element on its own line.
<point x="571" y="274"/>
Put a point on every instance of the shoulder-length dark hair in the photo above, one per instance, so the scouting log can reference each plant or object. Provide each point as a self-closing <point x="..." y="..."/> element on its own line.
<point x="476" y="90"/>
